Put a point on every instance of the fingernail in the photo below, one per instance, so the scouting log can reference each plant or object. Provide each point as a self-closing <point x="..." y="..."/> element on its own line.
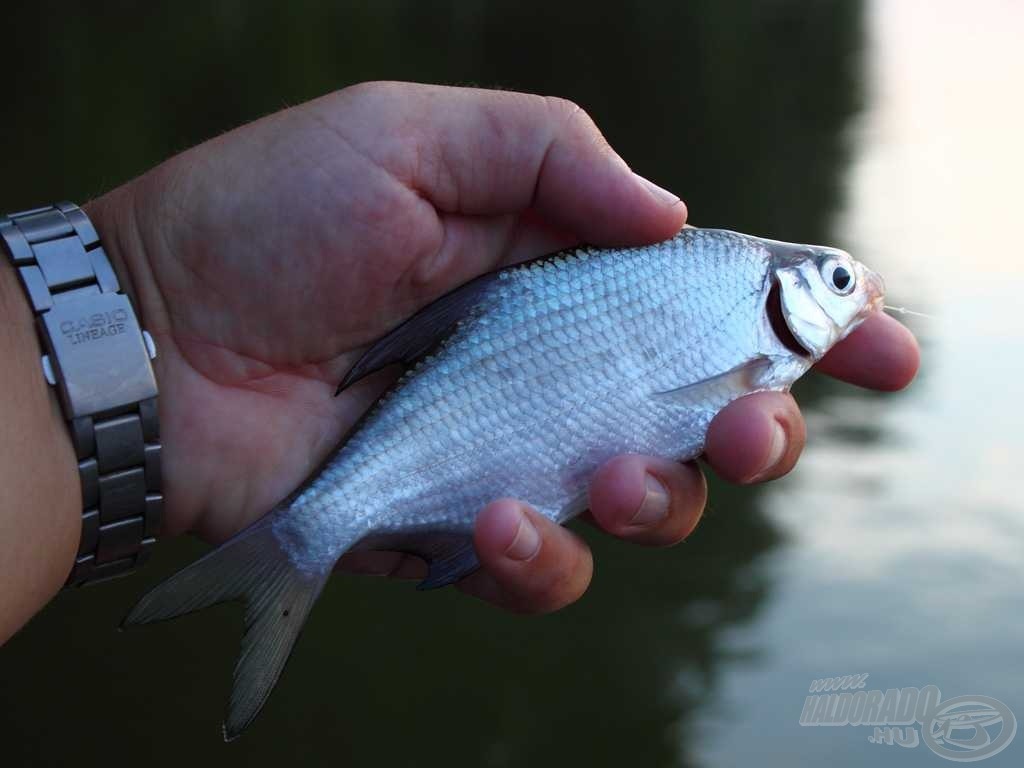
<point x="777" y="447"/>
<point x="526" y="541"/>
<point x="663" y="195"/>
<point x="654" y="507"/>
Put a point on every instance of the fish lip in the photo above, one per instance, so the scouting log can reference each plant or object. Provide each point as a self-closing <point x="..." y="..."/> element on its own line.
<point x="876" y="290"/>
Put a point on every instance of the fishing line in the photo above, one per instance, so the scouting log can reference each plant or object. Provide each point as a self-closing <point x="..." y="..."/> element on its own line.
<point x="905" y="311"/>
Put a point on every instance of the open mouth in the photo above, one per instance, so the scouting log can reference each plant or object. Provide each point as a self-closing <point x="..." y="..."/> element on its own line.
<point x="778" y="322"/>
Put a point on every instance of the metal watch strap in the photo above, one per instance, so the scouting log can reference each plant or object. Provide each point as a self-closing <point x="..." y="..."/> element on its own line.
<point x="98" y="358"/>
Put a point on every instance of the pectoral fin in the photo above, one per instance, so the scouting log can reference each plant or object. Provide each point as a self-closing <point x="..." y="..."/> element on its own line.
<point x="734" y="382"/>
<point x="421" y="332"/>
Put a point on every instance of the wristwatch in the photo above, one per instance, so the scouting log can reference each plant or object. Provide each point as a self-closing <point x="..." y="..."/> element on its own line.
<point x="99" y="361"/>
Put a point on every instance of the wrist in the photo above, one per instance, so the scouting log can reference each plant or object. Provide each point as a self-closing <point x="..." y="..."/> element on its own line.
<point x="116" y="216"/>
<point x="40" y="495"/>
<point x="97" y="359"/>
<point x="126" y="230"/>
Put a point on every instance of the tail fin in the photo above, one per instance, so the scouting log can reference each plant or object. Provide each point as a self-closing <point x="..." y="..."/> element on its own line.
<point x="278" y="598"/>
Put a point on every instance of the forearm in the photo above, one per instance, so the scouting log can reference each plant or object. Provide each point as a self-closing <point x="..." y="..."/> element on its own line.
<point x="40" y="498"/>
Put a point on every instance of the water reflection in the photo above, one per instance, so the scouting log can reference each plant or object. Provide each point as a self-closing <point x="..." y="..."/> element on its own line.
<point x="905" y="560"/>
<point x="740" y="107"/>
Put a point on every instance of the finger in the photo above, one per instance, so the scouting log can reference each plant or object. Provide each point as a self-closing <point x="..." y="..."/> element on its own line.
<point x="500" y="240"/>
<point x="647" y="500"/>
<point x="758" y="437"/>
<point x="881" y="354"/>
<point x="528" y="563"/>
<point x="483" y="153"/>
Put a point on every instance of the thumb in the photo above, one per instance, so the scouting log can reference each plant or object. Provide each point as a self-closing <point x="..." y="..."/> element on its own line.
<point x="482" y="153"/>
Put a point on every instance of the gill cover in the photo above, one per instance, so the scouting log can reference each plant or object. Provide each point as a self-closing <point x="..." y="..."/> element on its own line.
<point x="818" y="312"/>
<point x="805" y="317"/>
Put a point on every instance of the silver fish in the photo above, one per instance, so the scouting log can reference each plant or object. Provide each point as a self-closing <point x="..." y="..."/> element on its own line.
<point x="522" y="383"/>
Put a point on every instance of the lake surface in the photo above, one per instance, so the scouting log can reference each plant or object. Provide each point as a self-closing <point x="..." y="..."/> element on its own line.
<point x="892" y="129"/>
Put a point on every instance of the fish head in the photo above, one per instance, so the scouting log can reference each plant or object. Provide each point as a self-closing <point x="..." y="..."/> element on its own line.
<point x="824" y="293"/>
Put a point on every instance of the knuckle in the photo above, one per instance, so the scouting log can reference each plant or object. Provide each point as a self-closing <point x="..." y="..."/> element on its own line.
<point x="571" y="115"/>
<point x="576" y="123"/>
<point x="368" y="89"/>
<point x="563" y="107"/>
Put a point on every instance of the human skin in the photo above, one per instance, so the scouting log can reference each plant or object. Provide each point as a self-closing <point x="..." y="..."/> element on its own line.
<point x="265" y="260"/>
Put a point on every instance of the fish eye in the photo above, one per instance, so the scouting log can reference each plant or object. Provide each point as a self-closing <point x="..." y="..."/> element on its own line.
<point x="838" y="277"/>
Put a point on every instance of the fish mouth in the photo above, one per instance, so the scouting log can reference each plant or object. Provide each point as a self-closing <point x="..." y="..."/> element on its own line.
<point x="875" y="290"/>
<point x="779" y="325"/>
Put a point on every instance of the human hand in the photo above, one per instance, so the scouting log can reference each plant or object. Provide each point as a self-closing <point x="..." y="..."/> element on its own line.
<point x="263" y="261"/>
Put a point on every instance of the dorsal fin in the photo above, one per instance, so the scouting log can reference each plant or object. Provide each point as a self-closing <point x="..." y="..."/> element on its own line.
<point x="421" y="332"/>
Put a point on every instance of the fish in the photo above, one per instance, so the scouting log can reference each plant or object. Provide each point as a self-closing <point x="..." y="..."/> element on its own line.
<point x="521" y="383"/>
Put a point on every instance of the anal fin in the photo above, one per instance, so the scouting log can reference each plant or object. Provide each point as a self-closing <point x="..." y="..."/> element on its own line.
<point x="451" y="566"/>
<point x="449" y="555"/>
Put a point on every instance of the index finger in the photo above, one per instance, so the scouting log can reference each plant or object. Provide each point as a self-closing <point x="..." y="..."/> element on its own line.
<point x="880" y="354"/>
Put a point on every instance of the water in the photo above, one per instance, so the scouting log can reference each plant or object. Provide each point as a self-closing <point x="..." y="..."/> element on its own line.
<point x="903" y="560"/>
<point x="894" y="549"/>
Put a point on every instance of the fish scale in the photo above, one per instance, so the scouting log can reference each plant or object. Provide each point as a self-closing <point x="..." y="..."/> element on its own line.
<point x="600" y="382"/>
<point x="523" y="383"/>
